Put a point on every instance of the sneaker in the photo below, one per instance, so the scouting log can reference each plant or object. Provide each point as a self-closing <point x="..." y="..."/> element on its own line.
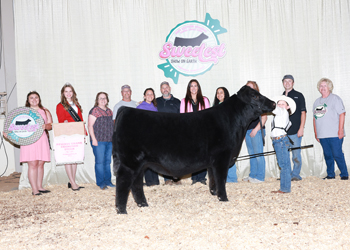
<point x="342" y="178"/>
<point x="328" y="178"/>
<point x="252" y="180"/>
<point x="111" y="185"/>
<point x="169" y="182"/>
<point x="295" y="179"/>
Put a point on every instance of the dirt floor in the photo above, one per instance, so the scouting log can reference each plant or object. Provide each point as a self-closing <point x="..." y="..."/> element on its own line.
<point x="315" y="215"/>
<point x="9" y="183"/>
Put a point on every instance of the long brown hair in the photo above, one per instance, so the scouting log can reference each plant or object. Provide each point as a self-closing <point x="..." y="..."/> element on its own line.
<point x="64" y="101"/>
<point x="255" y="85"/>
<point x="154" y="99"/>
<point x="188" y="98"/>
<point x="98" y="96"/>
<point x="34" y="93"/>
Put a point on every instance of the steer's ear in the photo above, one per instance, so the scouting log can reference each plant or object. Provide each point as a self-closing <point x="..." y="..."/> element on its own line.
<point x="246" y="94"/>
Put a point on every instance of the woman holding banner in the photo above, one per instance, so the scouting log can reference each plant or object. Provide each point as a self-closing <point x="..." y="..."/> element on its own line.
<point x="100" y="125"/>
<point x="37" y="153"/>
<point x="69" y="110"/>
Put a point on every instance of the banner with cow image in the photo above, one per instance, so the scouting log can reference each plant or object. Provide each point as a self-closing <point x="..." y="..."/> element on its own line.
<point x="24" y="126"/>
<point x="69" y="142"/>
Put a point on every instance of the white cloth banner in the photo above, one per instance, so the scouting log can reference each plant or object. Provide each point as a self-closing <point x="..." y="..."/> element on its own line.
<point x="102" y="45"/>
<point x="69" y="142"/>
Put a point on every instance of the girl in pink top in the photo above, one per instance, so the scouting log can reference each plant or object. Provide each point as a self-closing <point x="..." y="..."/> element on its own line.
<point x="38" y="153"/>
<point x="193" y="102"/>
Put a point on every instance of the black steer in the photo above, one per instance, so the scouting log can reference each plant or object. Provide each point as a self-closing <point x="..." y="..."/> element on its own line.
<point x="180" y="144"/>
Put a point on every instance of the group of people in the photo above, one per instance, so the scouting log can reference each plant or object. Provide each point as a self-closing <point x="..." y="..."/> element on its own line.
<point x="287" y="131"/>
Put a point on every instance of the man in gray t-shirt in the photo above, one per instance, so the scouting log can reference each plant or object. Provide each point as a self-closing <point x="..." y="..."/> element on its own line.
<point x="126" y="101"/>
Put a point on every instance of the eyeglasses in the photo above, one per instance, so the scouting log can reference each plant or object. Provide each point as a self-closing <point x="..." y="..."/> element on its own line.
<point x="102" y="98"/>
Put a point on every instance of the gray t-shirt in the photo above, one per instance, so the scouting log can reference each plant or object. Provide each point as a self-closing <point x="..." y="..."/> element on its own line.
<point x="326" y="112"/>
<point x="131" y="104"/>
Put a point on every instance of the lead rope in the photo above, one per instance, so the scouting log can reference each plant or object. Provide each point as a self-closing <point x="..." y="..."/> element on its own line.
<point x="262" y="132"/>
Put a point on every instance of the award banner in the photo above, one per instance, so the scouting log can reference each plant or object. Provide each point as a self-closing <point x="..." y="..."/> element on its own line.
<point x="24" y="126"/>
<point x="69" y="142"/>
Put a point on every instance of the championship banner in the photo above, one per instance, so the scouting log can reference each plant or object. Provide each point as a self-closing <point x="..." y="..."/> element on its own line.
<point x="69" y="142"/>
<point x="24" y="126"/>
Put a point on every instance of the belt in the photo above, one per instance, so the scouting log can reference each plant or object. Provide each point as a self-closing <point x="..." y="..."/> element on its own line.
<point x="278" y="137"/>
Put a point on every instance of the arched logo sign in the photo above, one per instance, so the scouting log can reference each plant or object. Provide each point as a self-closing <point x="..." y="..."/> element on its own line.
<point x="192" y="48"/>
<point x="24" y="126"/>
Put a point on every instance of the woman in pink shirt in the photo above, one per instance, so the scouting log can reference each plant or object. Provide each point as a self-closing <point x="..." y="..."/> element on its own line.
<point x="193" y="102"/>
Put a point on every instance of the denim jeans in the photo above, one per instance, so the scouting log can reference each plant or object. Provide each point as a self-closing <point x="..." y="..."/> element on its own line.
<point x="151" y="177"/>
<point x="199" y="176"/>
<point x="166" y="178"/>
<point x="296" y="155"/>
<point x="232" y="174"/>
<point x="103" y="158"/>
<point x="332" y="151"/>
<point x="281" y="147"/>
<point x="255" y="145"/>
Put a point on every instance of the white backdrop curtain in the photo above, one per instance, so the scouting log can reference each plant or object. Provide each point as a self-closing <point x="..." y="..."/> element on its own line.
<point x="100" y="45"/>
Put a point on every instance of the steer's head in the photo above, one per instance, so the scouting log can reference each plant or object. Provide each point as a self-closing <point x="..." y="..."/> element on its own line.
<point x="259" y="102"/>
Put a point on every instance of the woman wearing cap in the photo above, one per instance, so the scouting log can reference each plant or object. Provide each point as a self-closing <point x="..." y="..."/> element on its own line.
<point x="193" y="102"/>
<point x="329" y="119"/>
<point x="222" y="95"/>
<point x="100" y="125"/>
<point x="149" y="104"/>
<point x="255" y="145"/>
<point x="69" y="110"/>
<point x="280" y="140"/>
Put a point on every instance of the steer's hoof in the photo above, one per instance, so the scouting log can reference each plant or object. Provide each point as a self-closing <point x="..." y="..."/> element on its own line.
<point x="120" y="211"/>
<point x="142" y="204"/>
<point x="222" y="198"/>
<point x="213" y="192"/>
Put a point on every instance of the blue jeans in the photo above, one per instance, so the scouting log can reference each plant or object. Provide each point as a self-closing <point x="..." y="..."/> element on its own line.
<point x="199" y="176"/>
<point x="281" y="147"/>
<point x="296" y="155"/>
<point x="232" y="174"/>
<point x="151" y="177"/>
<point x="166" y="178"/>
<point x="255" y="145"/>
<point x="332" y="150"/>
<point x="103" y="158"/>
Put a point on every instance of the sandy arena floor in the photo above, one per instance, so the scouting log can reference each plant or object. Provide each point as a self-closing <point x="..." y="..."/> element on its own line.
<point x="316" y="215"/>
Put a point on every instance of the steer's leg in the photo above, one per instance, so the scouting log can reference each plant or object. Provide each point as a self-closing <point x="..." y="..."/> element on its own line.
<point x="212" y="186"/>
<point x="137" y="191"/>
<point x="220" y="176"/>
<point x="124" y="179"/>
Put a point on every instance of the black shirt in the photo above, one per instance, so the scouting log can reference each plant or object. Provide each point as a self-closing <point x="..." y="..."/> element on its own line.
<point x="171" y="105"/>
<point x="253" y="124"/>
<point x="300" y="106"/>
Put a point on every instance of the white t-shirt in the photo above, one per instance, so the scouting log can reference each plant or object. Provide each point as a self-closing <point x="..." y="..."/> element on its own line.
<point x="326" y="112"/>
<point x="281" y="120"/>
